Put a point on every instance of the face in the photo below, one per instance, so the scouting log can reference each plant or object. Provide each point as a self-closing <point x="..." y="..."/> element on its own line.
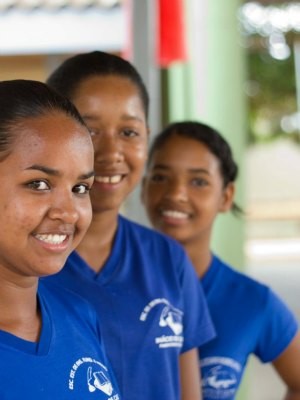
<point x="112" y="108"/>
<point x="183" y="190"/>
<point x="44" y="195"/>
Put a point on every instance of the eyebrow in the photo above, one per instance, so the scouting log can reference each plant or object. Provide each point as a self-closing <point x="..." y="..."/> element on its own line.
<point x="54" y="172"/>
<point x="132" y="118"/>
<point x="193" y="170"/>
<point x="125" y="117"/>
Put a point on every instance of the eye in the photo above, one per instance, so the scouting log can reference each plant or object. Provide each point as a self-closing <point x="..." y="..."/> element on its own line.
<point x="157" y="178"/>
<point x="81" y="189"/>
<point x="38" y="185"/>
<point x="199" y="182"/>
<point x="129" y="133"/>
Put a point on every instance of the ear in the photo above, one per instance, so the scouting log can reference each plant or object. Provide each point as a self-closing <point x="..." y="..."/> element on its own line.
<point x="228" y="196"/>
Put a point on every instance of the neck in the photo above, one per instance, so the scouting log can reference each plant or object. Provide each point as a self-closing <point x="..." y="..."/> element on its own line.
<point x="19" y="314"/>
<point x="200" y="254"/>
<point x="97" y="243"/>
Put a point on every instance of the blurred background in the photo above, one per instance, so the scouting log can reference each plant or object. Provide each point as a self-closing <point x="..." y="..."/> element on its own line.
<point x="233" y="64"/>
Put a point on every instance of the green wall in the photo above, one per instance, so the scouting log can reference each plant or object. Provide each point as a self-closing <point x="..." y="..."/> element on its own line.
<point x="224" y="105"/>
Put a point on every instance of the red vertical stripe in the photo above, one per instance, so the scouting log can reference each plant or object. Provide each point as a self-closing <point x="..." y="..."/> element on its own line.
<point x="172" y="40"/>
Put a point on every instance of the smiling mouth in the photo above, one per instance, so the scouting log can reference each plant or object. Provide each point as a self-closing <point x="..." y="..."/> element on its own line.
<point x="179" y="215"/>
<point x="109" y="179"/>
<point x="52" y="238"/>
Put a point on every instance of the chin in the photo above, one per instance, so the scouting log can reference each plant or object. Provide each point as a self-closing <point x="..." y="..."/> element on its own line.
<point x="54" y="268"/>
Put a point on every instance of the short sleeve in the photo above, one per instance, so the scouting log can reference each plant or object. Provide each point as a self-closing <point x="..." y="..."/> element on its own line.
<point x="278" y="328"/>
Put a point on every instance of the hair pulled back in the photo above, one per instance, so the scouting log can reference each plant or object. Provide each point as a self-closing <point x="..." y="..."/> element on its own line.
<point x="66" y="78"/>
<point x="21" y="99"/>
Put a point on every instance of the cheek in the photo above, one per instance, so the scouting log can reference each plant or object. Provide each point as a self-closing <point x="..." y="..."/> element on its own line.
<point x="140" y="151"/>
<point x="85" y="212"/>
<point x="152" y="196"/>
<point x="19" y="216"/>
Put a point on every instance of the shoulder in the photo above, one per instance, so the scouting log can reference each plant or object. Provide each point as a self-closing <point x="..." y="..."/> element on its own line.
<point x="57" y="297"/>
<point x="236" y="274"/>
<point x="251" y="292"/>
<point x="150" y="238"/>
<point x="239" y="280"/>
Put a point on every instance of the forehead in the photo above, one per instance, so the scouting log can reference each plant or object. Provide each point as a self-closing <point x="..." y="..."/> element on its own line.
<point x="182" y="152"/>
<point x="47" y="132"/>
<point x="108" y="90"/>
<point x="106" y="84"/>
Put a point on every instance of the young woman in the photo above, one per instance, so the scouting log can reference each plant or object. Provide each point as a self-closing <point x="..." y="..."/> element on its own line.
<point x="50" y="342"/>
<point x="140" y="281"/>
<point x="189" y="181"/>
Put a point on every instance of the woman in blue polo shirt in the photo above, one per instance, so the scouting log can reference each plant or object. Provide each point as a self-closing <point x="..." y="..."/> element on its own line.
<point x="190" y="180"/>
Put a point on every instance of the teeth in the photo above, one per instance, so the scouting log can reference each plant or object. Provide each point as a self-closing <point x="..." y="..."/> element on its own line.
<point x="175" y="214"/>
<point x="116" y="179"/>
<point x="108" y="179"/>
<point x="52" y="239"/>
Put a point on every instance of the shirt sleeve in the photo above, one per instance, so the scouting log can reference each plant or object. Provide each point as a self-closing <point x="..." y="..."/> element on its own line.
<point x="198" y="325"/>
<point x="279" y="326"/>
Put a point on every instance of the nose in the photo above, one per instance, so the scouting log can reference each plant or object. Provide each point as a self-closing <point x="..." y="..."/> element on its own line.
<point x="108" y="148"/>
<point x="64" y="208"/>
<point x="177" y="191"/>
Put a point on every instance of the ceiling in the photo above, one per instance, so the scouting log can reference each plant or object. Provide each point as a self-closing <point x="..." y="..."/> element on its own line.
<point x="63" y="26"/>
<point x="54" y="4"/>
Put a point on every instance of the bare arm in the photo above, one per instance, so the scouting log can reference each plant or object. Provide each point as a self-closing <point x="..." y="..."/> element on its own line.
<point x="288" y="367"/>
<point x="190" y="376"/>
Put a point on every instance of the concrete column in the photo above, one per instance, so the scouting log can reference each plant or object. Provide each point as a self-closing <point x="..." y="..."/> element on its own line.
<point x="144" y="28"/>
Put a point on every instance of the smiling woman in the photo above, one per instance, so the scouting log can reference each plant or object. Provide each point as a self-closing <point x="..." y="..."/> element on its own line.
<point x="141" y="283"/>
<point x="44" y="204"/>
<point x="189" y="181"/>
<point x="44" y="212"/>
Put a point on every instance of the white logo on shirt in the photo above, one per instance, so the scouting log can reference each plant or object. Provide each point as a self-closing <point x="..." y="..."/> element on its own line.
<point x="220" y="377"/>
<point x="172" y="318"/>
<point x="169" y="317"/>
<point x="98" y="380"/>
<point x="97" y="377"/>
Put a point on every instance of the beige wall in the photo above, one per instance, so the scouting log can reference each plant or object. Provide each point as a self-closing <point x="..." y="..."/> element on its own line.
<point x="23" y="67"/>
